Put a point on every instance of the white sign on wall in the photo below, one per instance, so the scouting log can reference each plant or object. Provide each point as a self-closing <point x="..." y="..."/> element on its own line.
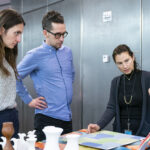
<point x="107" y="16"/>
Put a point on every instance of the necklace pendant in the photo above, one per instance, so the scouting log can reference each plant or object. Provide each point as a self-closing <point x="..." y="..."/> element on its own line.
<point x="127" y="102"/>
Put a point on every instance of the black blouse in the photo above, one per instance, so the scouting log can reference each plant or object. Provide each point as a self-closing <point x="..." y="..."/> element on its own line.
<point x="132" y="111"/>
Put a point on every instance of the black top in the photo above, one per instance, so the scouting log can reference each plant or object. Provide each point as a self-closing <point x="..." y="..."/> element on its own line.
<point x="113" y="108"/>
<point x="130" y="113"/>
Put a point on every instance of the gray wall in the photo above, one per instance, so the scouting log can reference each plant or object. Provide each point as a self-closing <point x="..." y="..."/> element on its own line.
<point x="145" y="34"/>
<point x="5" y="4"/>
<point x="90" y="38"/>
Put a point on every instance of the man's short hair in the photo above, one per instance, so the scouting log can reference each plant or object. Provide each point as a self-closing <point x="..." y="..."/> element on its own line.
<point x="51" y="17"/>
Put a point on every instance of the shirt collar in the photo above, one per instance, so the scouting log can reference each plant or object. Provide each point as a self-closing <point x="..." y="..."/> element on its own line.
<point x="50" y="48"/>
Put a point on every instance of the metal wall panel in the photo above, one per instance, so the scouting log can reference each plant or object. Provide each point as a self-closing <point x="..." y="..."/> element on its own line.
<point x="145" y="35"/>
<point x="33" y="34"/>
<point x="101" y="38"/>
<point x="5" y="4"/>
<point x="50" y="2"/>
<point x="30" y="5"/>
<point x="17" y="5"/>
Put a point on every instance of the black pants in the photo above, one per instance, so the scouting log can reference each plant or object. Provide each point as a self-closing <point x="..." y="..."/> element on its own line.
<point x="40" y="121"/>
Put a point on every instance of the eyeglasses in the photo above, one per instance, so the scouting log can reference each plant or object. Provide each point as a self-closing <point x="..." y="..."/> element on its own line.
<point x="58" y="35"/>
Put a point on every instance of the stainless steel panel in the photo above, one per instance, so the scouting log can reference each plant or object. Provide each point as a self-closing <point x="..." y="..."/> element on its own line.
<point x="33" y="5"/>
<point x="101" y="38"/>
<point x="33" y="34"/>
<point x="5" y="4"/>
<point x="145" y="35"/>
<point x="17" y="5"/>
<point x="50" y="2"/>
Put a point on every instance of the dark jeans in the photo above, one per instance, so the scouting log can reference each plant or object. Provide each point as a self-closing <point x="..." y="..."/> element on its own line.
<point x="10" y="115"/>
<point x="40" y="121"/>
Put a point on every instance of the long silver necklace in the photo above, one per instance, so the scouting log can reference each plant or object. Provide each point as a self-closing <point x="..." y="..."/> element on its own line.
<point x="131" y="97"/>
<point x="130" y="100"/>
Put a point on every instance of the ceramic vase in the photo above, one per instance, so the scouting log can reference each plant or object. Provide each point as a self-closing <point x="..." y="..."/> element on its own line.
<point x="31" y="143"/>
<point x="72" y="142"/>
<point x="21" y="143"/>
<point x="52" y="137"/>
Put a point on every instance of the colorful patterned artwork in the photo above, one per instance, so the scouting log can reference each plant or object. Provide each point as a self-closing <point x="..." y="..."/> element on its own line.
<point x="107" y="139"/>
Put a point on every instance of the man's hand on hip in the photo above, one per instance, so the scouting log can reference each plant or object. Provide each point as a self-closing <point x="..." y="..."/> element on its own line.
<point x="38" y="103"/>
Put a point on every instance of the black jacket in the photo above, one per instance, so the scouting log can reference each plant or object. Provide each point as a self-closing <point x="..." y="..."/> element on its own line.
<point x="112" y="109"/>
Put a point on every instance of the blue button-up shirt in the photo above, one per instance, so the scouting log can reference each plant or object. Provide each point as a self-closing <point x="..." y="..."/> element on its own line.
<point x="52" y="73"/>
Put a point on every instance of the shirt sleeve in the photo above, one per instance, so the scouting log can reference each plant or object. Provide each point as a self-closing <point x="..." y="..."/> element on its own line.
<point x="25" y="68"/>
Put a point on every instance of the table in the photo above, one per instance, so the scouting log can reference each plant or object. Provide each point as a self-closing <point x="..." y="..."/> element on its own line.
<point x="40" y="145"/>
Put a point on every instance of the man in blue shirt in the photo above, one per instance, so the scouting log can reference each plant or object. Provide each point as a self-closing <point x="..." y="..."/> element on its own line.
<point x="50" y="66"/>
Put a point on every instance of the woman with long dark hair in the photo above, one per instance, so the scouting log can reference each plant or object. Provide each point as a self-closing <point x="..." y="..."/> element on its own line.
<point x="129" y="100"/>
<point x="11" y="28"/>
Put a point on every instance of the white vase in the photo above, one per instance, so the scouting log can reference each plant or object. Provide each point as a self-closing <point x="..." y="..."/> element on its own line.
<point x="52" y="137"/>
<point x="72" y="142"/>
<point x="21" y="143"/>
<point x="31" y="143"/>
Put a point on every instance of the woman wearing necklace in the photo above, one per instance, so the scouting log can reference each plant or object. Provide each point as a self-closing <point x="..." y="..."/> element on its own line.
<point x="129" y="100"/>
